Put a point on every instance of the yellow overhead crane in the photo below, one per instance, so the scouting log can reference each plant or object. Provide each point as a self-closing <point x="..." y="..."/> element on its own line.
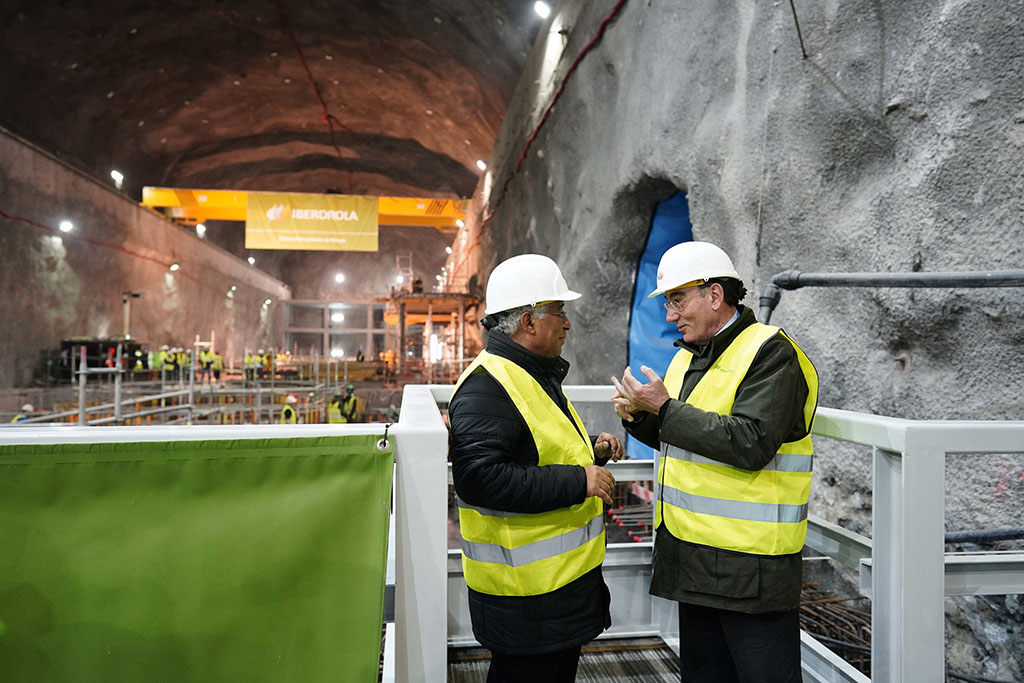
<point x="189" y="207"/>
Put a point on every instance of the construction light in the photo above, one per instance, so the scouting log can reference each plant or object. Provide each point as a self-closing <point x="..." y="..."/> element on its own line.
<point x="542" y="9"/>
<point x="459" y="222"/>
<point x="481" y="165"/>
<point x="252" y="261"/>
<point x="200" y="229"/>
<point x="234" y="288"/>
<point x="174" y="267"/>
<point x="437" y="277"/>
<point x="447" y="250"/>
<point x="267" y="302"/>
<point x="337" y="353"/>
<point x="66" y="226"/>
<point x="337" y="317"/>
<point x="118" y="178"/>
<point x="399" y="279"/>
<point x="339" y="277"/>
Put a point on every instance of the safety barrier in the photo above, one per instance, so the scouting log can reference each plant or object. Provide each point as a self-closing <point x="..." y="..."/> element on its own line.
<point x="904" y="570"/>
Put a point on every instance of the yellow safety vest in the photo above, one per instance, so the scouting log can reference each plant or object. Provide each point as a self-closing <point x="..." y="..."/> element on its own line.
<point x="218" y="361"/>
<point x="708" y="502"/>
<point x="511" y="553"/>
<point x="19" y="417"/>
<point x="288" y="416"/>
<point x="334" y="415"/>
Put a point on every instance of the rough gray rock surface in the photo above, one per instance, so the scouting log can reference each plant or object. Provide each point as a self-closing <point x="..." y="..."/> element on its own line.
<point x="895" y="146"/>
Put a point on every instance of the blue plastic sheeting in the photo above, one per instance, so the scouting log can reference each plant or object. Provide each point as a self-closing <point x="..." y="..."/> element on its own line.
<point x="650" y="336"/>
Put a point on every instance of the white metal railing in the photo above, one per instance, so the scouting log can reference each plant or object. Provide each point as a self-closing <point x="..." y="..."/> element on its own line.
<point x="907" y="576"/>
<point x="904" y="569"/>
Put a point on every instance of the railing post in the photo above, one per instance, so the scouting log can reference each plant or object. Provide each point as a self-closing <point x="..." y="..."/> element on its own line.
<point x="907" y="616"/>
<point x="117" y="387"/>
<point x="421" y="543"/>
<point x="83" y="370"/>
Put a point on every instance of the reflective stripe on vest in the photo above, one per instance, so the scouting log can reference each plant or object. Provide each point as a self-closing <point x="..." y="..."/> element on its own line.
<point x="705" y="501"/>
<point x="511" y="553"/>
<point x="288" y="416"/>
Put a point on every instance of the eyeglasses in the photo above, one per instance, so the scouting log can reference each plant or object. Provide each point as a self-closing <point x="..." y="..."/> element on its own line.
<point x="679" y="304"/>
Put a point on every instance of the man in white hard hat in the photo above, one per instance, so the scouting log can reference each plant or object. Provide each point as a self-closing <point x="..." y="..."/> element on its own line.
<point x="288" y="414"/>
<point x="732" y="420"/>
<point x="530" y="484"/>
<point x="26" y="413"/>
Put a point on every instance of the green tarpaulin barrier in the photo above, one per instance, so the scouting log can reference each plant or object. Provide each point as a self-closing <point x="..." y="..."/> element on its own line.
<point x="248" y="560"/>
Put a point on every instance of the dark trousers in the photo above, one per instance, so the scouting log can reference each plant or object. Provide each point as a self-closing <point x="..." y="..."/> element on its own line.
<point x="554" y="667"/>
<point x="719" y="646"/>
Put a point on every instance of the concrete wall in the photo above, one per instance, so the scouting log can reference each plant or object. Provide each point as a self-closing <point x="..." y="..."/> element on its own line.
<point x="897" y="145"/>
<point x="70" y="285"/>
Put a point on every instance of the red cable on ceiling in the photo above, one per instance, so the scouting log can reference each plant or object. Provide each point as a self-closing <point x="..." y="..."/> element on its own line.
<point x="327" y="117"/>
<point x="533" y="136"/>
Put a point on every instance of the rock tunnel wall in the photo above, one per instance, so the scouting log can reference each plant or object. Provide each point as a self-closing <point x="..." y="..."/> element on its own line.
<point x="70" y="285"/>
<point x="895" y="146"/>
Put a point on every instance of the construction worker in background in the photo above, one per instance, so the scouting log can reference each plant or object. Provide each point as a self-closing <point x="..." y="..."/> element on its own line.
<point x="249" y="367"/>
<point x="359" y="356"/>
<point x="205" y="364"/>
<point x="160" y="358"/>
<point x="288" y="414"/>
<point x="525" y="468"/>
<point x="334" y="410"/>
<point x="182" y="361"/>
<point x="732" y="420"/>
<point x="261" y="364"/>
<point x="268" y="363"/>
<point x="217" y="364"/>
<point x="171" y="363"/>
<point x="25" y="413"/>
<point x="349" y="405"/>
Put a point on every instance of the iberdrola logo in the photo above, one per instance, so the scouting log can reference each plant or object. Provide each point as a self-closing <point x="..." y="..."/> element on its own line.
<point x="274" y="212"/>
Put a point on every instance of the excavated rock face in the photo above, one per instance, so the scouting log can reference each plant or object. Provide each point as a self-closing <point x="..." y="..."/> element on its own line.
<point x="214" y="95"/>
<point x="895" y="146"/>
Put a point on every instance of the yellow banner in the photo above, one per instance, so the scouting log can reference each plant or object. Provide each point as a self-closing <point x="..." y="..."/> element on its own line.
<point x="321" y="222"/>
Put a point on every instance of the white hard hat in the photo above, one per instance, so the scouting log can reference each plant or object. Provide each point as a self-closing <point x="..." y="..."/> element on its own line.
<point x="27" y="408"/>
<point x="525" y="280"/>
<point x="291" y="398"/>
<point x="691" y="262"/>
<point x="163" y="347"/>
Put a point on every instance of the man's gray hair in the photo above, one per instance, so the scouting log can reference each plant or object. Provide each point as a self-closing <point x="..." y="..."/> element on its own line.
<point x="508" y="322"/>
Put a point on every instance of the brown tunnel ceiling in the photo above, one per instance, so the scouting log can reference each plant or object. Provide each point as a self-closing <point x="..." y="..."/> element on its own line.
<point x="215" y="95"/>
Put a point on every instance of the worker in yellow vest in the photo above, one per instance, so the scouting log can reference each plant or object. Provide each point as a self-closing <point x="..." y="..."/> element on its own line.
<point x="288" y="414"/>
<point x="732" y="419"/>
<point x="217" y="364"/>
<point x="26" y="413"/>
<point x="530" y="484"/>
<point x="249" y="367"/>
<point x="205" y="364"/>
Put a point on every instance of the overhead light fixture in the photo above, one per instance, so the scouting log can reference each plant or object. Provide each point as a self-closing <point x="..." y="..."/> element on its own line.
<point x="337" y="353"/>
<point x="252" y="261"/>
<point x="437" y="277"/>
<point x="200" y="229"/>
<point x="339" y="277"/>
<point x="174" y="267"/>
<point x="234" y="288"/>
<point x="118" y="178"/>
<point x="337" y="317"/>
<point x="399" y="279"/>
<point x="267" y="302"/>
<point x="447" y="250"/>
<point x="481" y="164"/>
<point x="542" y="9"/>
<point x="66" y="226"/>
<point x="459" y="222"/>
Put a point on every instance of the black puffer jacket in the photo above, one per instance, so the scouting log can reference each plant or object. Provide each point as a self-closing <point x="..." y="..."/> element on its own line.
<point x="494" y="465"/>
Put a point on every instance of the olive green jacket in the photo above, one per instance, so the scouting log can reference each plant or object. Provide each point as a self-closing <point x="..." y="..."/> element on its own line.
<point x="767" y="412"/>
